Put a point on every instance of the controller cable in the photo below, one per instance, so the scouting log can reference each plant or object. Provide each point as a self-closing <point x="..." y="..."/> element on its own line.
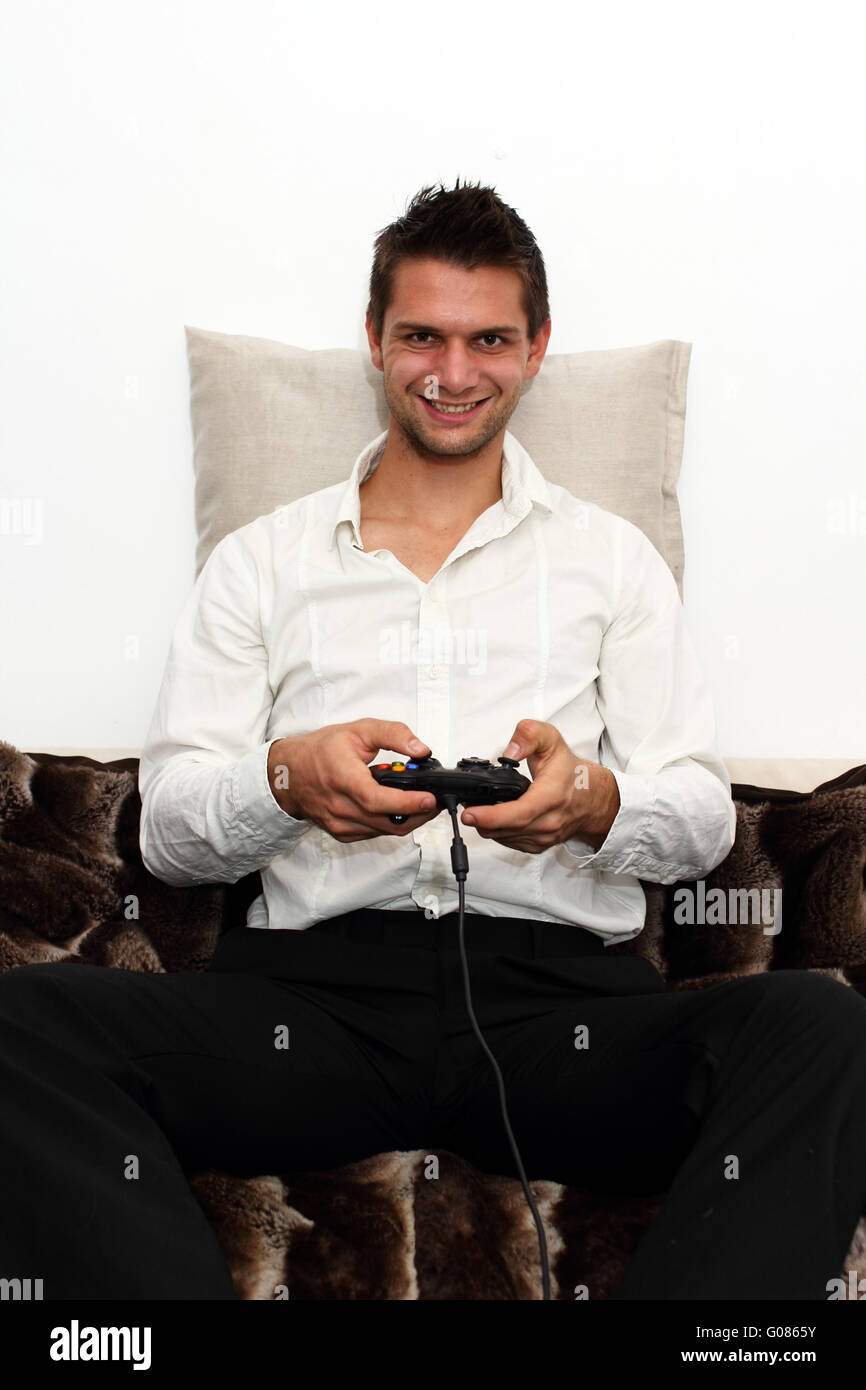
<point x="460" y="866"/>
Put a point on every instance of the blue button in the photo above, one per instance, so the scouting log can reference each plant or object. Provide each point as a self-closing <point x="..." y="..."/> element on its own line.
<point x="411" y="764"/>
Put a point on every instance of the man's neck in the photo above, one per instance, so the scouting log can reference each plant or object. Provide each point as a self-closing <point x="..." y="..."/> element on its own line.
<point x="446" y="492"/>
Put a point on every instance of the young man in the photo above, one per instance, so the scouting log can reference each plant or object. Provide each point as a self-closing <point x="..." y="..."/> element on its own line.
<point x="743" y="1101"/>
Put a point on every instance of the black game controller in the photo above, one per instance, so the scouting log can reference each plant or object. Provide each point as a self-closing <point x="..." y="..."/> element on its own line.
<point x="473" y="782"/>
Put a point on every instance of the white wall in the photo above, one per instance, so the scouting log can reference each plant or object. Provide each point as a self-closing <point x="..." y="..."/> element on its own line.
<point x="690" y="170"/>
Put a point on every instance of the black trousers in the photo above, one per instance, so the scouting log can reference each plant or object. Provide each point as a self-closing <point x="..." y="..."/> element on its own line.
<point x="744" y="1102"/>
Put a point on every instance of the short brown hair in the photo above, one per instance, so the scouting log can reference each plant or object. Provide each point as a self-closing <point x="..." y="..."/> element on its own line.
<point x="466" y="226"/>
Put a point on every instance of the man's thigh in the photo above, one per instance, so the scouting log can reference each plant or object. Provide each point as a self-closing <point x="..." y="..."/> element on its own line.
<point x="240" y="1072"/>
<point x="604" y="1090"/>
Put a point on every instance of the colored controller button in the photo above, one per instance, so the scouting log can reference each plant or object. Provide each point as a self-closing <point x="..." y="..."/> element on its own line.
<point x="383" y="765"/>
<point x="411" y="764"/>
<point x="398" y="767"/>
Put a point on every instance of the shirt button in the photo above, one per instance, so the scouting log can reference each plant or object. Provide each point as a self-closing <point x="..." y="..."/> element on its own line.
<point x="434" y="673"/>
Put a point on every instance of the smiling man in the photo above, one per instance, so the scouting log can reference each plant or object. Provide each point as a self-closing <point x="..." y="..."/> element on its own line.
<point x="456" y="352"/>
<point x="333" y="1024"/>
<point x="453" y="376"/>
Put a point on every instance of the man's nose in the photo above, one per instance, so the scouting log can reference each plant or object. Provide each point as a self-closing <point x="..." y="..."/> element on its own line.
<point x="457" y="374"/>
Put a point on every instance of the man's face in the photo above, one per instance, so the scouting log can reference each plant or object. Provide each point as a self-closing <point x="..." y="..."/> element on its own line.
<point x="459" y="335"/>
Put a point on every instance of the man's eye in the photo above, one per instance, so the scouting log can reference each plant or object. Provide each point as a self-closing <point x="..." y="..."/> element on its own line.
<point x="420" y="334"/>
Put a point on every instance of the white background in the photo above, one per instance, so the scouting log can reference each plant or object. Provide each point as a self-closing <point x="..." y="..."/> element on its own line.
<point x="690" y="170"/>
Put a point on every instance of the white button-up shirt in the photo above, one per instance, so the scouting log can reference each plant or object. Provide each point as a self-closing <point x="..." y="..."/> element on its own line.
<point x="548" y="608"/>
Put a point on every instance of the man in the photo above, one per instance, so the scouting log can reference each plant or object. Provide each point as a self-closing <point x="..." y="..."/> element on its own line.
<point x="287" y="676"/>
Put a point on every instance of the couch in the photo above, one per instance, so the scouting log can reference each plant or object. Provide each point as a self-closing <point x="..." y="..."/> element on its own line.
<point x="73" y="888"/>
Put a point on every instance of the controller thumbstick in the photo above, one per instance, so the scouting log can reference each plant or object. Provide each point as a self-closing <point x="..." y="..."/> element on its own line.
<point x="510" y="762"/>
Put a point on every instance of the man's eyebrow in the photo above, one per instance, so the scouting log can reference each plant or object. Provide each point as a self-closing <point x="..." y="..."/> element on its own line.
<point x="428" y="328"/>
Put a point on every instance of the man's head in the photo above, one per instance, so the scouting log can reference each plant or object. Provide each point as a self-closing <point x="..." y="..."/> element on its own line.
<point x="458" y="267"/>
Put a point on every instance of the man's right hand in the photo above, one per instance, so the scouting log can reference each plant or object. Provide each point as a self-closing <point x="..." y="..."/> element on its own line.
<point x="324" y="777"/>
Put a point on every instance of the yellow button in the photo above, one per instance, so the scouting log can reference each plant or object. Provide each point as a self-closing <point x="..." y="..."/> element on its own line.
<point x="398" y="767"/>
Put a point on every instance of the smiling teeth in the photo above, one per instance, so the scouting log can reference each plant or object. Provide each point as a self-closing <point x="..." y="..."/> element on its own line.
<point x="454" y="409"/>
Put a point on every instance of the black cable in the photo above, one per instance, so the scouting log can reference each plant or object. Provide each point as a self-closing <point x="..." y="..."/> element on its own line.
<point x="460" y="865"/>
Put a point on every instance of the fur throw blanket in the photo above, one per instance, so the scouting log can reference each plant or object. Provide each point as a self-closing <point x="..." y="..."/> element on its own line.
<point x="73" y="888"/>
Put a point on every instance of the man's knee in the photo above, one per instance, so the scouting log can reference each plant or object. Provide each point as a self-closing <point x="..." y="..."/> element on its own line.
<point x="27" y="990"/>
<point x="810" y="995"/>
<point x="805" y="983"/>
<point x="23" y="978"/>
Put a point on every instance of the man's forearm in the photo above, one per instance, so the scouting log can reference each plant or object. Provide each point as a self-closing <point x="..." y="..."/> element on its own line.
<point x="596" y="805"/>
<point x="211" y="820"/>
<point x="675" y="824"/>
<point x="280" y="776"/>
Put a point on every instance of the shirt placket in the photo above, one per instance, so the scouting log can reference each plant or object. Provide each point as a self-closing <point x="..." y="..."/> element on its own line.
<point x="434" y="678"/>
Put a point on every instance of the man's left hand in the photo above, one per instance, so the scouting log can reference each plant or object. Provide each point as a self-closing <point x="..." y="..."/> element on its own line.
<point x="570" y="798"/>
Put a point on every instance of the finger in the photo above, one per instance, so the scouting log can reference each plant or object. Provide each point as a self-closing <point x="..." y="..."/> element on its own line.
<point x="386" y="733"/>
<point x="518" y="814"/>
<point x="391" y="801"/>
<point x="530" y="736"/>
<point x="352" y="828"/>
<point x="543" y="829"/>
<point x="536" y="843"/>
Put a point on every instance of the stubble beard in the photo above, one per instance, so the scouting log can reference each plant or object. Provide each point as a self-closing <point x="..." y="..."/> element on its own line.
<point x="445" y="442"/>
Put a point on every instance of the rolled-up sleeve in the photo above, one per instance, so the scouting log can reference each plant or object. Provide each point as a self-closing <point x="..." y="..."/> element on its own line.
<point x="676" y="818"/>
<point x="208" y="814"/>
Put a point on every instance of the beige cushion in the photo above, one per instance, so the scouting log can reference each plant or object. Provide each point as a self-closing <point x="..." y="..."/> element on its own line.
<point x="272" y="423"/>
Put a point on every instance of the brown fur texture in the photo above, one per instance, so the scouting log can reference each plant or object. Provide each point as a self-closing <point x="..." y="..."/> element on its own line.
<point x="73" y="888"/>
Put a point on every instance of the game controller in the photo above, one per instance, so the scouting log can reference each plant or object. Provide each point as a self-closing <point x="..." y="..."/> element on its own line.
<point x="473" y="782"/>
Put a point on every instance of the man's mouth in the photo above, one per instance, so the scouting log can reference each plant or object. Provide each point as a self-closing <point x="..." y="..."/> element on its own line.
<point x="441" y="410"/>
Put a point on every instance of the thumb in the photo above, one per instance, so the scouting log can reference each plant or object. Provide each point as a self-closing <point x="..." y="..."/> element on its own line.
<point x="535" y="740"/>
<point x="528" y="737"/>
<point x="389" y="733"/>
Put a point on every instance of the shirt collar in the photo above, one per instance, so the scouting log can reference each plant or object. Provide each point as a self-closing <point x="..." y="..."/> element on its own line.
<point x="521" y="481"/>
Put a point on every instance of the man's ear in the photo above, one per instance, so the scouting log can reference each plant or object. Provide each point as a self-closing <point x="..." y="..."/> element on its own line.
<point x="537" y="349"/>
<point x="375" y="343"/>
